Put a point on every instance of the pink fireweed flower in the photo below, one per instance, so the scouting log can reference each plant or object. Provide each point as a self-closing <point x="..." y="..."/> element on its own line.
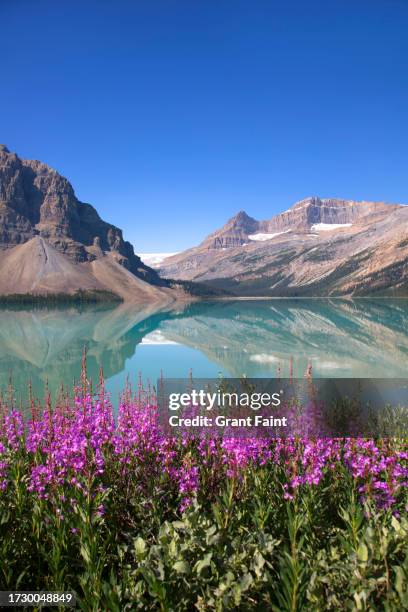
<point x="79" y="446"/>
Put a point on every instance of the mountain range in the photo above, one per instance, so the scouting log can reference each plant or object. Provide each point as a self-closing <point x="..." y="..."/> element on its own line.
<point x="319" y="247"/>
<point x="51" y="243"/>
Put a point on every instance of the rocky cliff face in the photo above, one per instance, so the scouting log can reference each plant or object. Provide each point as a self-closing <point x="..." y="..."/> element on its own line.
<point x="50" y="242"/>
<point x="37" y="201"/>
<point x="312" y="211"/>
<point x="318" y="247"/>
<point x="300" y="217"/>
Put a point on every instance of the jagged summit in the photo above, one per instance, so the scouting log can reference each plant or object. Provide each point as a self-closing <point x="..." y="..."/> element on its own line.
<point x="35" y="200"/>
<point x="52" y="242"/>
<point x="233" y="233"/>
<point x="241" y="216"/>
<point x="241" y="228"/>
<point x="319" y="246"/>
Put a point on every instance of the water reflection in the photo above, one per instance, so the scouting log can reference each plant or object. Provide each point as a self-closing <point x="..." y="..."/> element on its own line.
<point x="361" y="338"/>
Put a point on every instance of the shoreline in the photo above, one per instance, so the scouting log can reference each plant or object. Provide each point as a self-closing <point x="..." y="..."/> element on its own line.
<point x="86" y="298"/>
<point x="304" y="297"/>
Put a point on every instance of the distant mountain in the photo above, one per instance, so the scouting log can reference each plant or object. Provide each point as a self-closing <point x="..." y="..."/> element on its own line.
<point x="50" y="242"/>
<point x="154" y="260"/>
<point x="318" y="247"/>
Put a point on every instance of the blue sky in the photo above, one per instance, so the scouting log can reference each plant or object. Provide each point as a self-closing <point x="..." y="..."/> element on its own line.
<point x="170" y="116"/>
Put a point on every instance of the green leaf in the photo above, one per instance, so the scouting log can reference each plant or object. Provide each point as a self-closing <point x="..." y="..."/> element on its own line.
<point x="84" y="550"/>
<point x="203" y="563"/>
<point x="258" y="563"/>
<point x="181" y="567"/>
<point x="178" y="524"/>
<point x="172" y="548"/>
<point x="140" y="547"/>
<point x="399" y="581"/>
<point x="395" y="523"/>
<point x="245" y="582"/>
<point x="362" y="553"/>
<point x="237" y="594"/>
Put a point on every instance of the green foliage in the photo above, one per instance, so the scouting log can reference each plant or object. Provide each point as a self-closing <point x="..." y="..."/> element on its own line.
<point x="199" y="290"/>
<point x="245" y="548"/>
<point x="63" y="299"/>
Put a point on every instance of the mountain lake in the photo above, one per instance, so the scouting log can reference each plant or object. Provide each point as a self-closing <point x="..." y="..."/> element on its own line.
<point x="359" y="338"/>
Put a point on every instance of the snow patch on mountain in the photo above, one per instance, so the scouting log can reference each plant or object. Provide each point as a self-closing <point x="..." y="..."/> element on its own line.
<point x="154" y="259"/>
<point x="324" y="227"/>
<point x="262" y="237"/>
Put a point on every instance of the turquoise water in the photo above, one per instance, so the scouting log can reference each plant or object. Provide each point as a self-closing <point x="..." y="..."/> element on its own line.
<point x="337" y="338"/>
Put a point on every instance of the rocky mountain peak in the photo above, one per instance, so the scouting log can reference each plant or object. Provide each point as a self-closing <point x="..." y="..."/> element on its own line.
<point x="309" y="201"/>
<point x="241" y="216"/>
<point x="316" y="248"/>
<point x="319" y="246"/>
<point x="233" y="233"/>
<point x="242" y="220"/>
<point x="35" y="200"/>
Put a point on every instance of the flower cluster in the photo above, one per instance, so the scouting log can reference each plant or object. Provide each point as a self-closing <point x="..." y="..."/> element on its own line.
<point x="85" y="440"/>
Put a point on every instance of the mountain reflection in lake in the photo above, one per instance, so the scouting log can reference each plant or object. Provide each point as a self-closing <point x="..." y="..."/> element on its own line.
<point x="265" y="338"/>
